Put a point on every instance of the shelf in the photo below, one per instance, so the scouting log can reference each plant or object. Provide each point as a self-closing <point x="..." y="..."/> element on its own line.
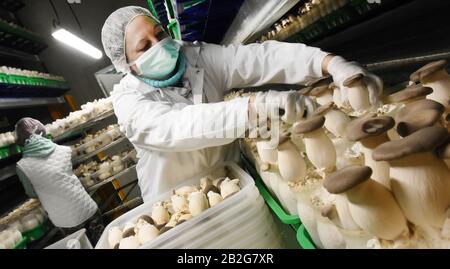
<point x="11" y="151"/>
<point x="9" y="90"/>
<point x="11" y="5"/>
<point x="19" y="38"/>
<point x="95" y="187"/>
<point x="83" y="127"/>
<point x="132" y="203"/>
<point x="95" y="152"/>
<point x="8" y="103"/>
<point x="7" y="52"/>
<point x="254" y="17"/>
<point x="353" y="13"/>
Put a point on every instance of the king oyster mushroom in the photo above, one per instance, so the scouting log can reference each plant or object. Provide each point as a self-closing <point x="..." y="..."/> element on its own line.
<point x="114" y="236"/>
<point x="185" y="190"/>
<point x="337" y="97"/>
<point x="371" y="131"/>
<point x="420" y="181"/>
<point x="160" y="214"/>
<point x="147" y="233"/>
<point x="214" y="198"/>
<point x="319" y="148"/>
<point x="197" y="203"/>
<point x="229" y="187"/>
<point x="371" y="205"/>
<point x="336" y="121"/>
<point x="435" y="75"/>
<point x="358" y="95"/>
<point x="328" y="231"/>
<point x="130" y="242"/>
<point x="418" y="115"/>
<point x="179" y="203"/>
<point x="410" y="95"/>
<point x="267" y="152"/>
<point x="291" y="165"/>
<point x="323" y="94"/>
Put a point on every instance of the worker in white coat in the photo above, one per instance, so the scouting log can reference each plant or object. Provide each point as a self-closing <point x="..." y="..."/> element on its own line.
<point x="173" y="91"/>
<point x="45" y="171"/>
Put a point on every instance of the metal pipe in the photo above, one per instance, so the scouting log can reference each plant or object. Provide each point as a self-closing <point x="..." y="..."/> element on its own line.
<point x="407" y="61"/>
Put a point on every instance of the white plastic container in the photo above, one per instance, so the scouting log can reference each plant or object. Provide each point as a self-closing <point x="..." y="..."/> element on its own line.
<point x="77" y="240"/>
<point x="204" y="230"/>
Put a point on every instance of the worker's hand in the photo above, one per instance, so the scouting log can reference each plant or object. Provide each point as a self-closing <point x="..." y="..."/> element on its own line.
<point x="290" y="105"/>
<point x="341" y="70"/>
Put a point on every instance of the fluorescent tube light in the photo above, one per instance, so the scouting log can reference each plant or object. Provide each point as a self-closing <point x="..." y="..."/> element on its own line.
<point x="77" y="43"/>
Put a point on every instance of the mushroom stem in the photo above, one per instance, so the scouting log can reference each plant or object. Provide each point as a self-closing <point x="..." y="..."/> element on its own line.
<point x="320" y="150"/>
<point x="380" y="169"/>
<point x="348" y="223"/>
<point x="440" y="83"/>
<point x="358" y="96"/>
<point x="337" y="97"/>
<point x="336" y="122"/>
<point x="266" y="152"/>
<point x="291" y="165"/>
<point x="375" y="210"/>
<point x="324" y="98"/>
<point x="421" y="184"/>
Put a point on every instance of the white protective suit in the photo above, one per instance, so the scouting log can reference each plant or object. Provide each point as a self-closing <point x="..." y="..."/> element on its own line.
<point x="59" y="190"/>
<point x="165" y="125"/>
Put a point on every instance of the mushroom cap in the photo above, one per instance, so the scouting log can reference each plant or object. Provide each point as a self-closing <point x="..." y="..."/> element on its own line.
<point x="283" y="138"/>
<point x="423" y="140"/>
<point x="316" y="82"/>
<point x="415" y="116"/>
<point x="147" y="219"/>
<point x="346" y="178"/>
<point x="129" y="232"/>
<point x="409" y="93"/>
<point x="333" y="85"/>
<point x="319" y="91"/>
<point x="349" y="82"/>
<point x="368" y="127"/>
<point x="428" y="70"/>
<point x="324" y="109"/>
<point x="309" y="125"/>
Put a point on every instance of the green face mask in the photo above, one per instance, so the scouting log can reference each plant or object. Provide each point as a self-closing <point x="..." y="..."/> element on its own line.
<point x="160" y="60"/>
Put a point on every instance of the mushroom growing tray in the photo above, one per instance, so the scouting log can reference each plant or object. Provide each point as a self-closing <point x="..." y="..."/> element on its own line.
<point x="211" y="224"/>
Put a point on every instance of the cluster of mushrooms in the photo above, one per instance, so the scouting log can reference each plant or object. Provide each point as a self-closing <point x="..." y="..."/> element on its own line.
<point x="186" y="203"/>
<point x="95" y="141"/>
<point x="310" y="12"/>
<point x="362" y="176"/>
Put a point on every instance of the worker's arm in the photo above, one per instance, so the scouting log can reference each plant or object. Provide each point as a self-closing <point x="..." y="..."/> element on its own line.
<point x="29" y="190"/>
<point x="271" y="62"/>
<point x="163" y="126"/>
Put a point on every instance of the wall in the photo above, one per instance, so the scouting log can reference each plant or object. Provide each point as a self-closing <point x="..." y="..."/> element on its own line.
<point x="59" y="59"/>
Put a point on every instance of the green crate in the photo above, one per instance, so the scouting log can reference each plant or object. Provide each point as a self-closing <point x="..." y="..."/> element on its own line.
<point x="304" y="239"/>
<point x="38" y="232"/>
<point x="10" y="150"/>
<point x="22" y="244"/>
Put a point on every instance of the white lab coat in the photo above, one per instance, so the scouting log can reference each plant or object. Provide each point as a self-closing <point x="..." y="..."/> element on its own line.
<point x="165" y="125"/>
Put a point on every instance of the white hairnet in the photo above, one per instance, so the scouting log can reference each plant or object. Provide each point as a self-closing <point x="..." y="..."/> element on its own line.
<point x="26" y="127"/>
<point x="113" y="34"/>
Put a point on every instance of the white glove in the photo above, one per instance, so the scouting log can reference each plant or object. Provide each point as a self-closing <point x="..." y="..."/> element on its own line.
<point x="292" y="104"/>
<point x="341" y="70"/>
